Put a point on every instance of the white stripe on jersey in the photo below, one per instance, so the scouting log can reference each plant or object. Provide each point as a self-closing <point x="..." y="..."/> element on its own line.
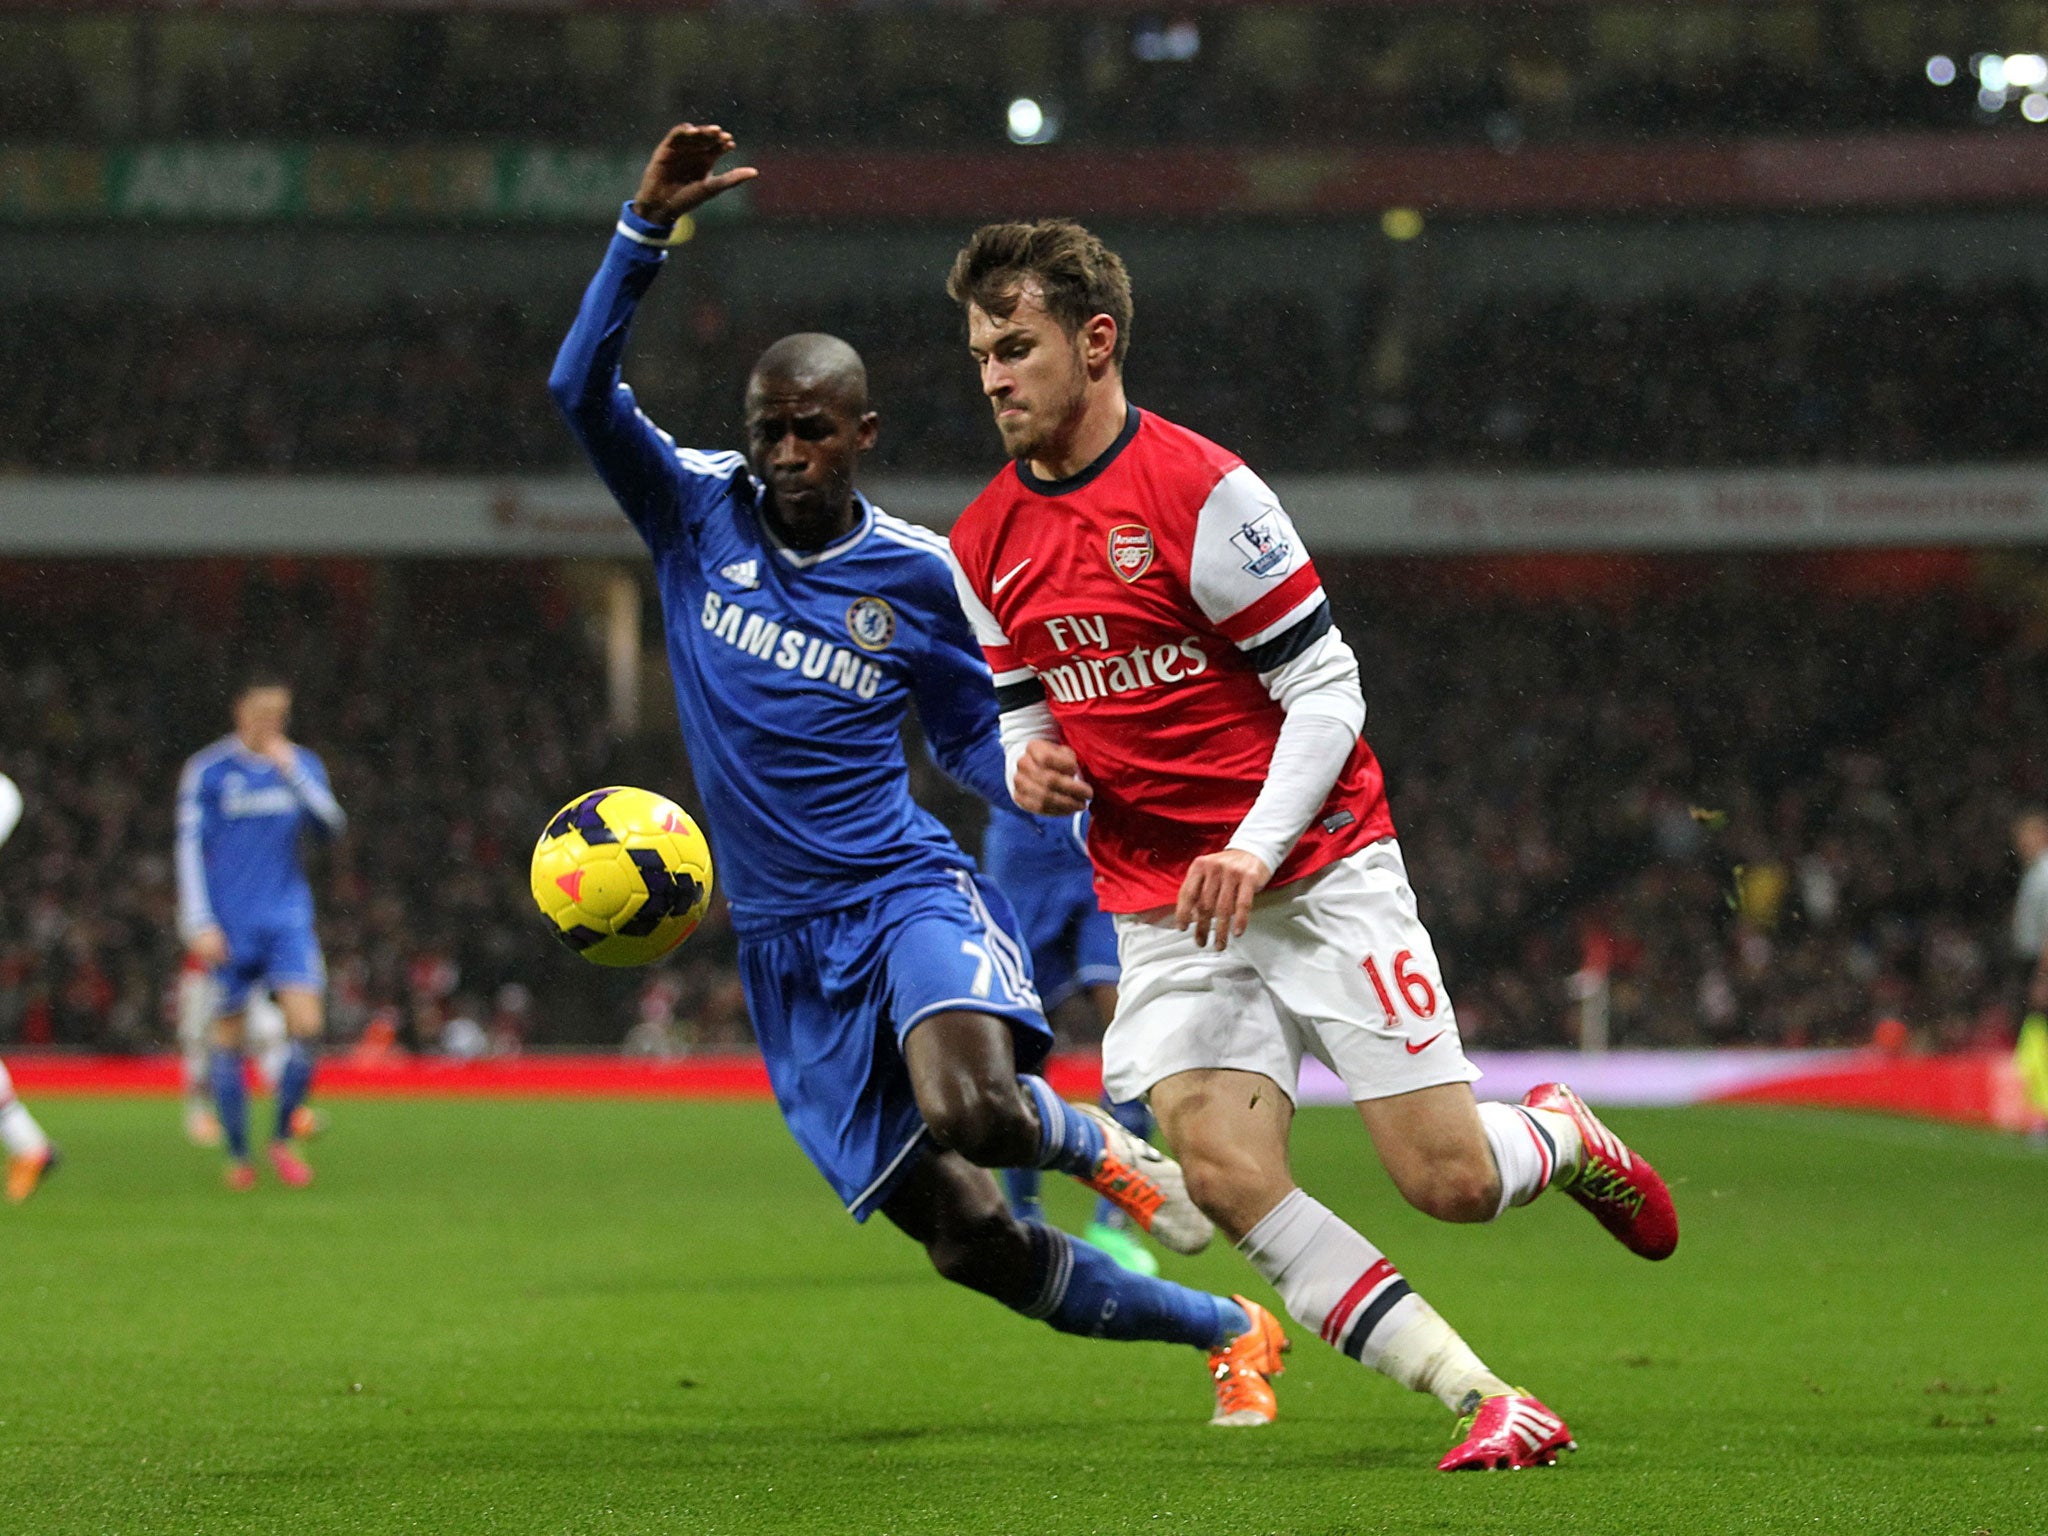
<point x="986" y="630"/>
<point x="1003" y="950"/>
<point x="659" y="242"/>
<point x="889" y="525"/>
<point x="722" y="465"/>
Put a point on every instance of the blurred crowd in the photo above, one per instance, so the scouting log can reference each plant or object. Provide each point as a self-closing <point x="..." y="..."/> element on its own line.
<point x="1893" y="372"/>
<point x="456" y="707"/>
<point x="1758" y="812"/>
<point x="917" y="74"/>
<point x="1761" y="803"/>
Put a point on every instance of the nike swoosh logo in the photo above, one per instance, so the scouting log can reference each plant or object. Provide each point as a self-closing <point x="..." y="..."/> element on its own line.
<point x="1010" y="575"/>
<point x="1417" y="1050"/>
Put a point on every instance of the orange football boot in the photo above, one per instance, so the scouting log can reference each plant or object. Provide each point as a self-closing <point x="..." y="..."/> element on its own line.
<point x="1243" y="1370"/>
<point x="1146" y="1185"/>
<point x="27" y="1170"/>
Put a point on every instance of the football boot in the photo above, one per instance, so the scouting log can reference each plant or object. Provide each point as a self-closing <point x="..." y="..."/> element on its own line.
<point x="1147" y="1186"/>
<point x="1506" y="1432"/>
<point x="1243" y="1370"/>
<point x="27" y="1170"/>
<point x="1623" y="1192"/>
<point x="290" y="1167"/>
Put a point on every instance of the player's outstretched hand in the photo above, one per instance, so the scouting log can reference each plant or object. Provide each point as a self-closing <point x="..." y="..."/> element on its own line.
<point x="679" y="176"/>
<point x="1216" y="897"/>
<point x="1048" y="781"/>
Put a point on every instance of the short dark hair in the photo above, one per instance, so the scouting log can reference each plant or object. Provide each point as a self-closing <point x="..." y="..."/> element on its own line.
<point x="1079" y="275"/>
<point x="261" y="677"/>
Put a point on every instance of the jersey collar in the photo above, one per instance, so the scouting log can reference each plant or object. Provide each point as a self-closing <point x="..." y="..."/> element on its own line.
<point x="1081" y="477"/>
<point x="804" y="559"/>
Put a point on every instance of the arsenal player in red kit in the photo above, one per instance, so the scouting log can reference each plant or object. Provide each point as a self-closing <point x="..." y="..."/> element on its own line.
<point x="1164" y="655"/>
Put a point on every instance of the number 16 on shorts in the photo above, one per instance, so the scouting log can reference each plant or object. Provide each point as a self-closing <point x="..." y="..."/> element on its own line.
<point x="1417" y="994"/>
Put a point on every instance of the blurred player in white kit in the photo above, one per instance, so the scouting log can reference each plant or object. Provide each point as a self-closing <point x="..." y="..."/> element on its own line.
<point x="30" y="1154"/>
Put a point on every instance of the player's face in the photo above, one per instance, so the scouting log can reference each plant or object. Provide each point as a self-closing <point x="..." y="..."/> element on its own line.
<point x="262" y="714"/>
<point x="804" y="441"/>
<point x="1034" y="374"/>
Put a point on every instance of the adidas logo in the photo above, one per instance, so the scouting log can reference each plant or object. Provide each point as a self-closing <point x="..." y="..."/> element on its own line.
<point x="742" y="573"/>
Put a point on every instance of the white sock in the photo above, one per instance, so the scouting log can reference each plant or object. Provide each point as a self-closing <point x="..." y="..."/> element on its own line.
<point x="1532" y="1148"/>
<point x="19" y="1133"/>
<point x="1428" y="1356"/>
<point x="1336" y="1282"/>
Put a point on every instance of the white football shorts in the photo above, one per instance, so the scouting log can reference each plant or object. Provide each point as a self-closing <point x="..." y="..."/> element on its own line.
<point x="1337" y="966"/>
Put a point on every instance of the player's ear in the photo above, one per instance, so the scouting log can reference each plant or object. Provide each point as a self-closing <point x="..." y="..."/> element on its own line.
<point x="1098" y="343"/>
<point x="869" y="430"/>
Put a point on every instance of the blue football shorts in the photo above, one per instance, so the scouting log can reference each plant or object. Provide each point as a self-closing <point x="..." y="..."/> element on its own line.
<point x="833" y="998"/>
<point x="1072" y="940"/>
<point x="271" y="956"/>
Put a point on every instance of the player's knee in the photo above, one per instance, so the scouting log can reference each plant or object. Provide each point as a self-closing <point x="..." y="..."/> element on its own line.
<point x="1465" y="1189"/>
<point x="986" y="1253"/>
<point x="1231" y="1189"/>
<point x="985" y="1122"/>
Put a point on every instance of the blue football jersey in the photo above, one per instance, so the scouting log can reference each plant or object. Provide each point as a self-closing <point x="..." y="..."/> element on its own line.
<point x="793" y="669"/>
<point x="240" y="819"/>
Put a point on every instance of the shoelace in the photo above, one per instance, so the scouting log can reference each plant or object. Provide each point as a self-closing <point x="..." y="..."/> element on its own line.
<point x="1235" y="1389"/>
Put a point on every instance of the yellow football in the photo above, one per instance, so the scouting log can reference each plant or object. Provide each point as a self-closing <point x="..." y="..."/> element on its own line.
<point x="622" y="875"/>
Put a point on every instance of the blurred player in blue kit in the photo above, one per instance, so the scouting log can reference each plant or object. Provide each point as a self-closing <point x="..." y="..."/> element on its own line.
<point x="1042" y="866"/>
<point x="245" y="910"/>
<point x="888" y="988"/>
<point x="30" y="1153"/>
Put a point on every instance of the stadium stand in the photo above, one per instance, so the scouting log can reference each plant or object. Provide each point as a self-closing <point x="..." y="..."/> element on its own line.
<point x="1773" y="798"/>
<point x="1136" y="77"/>
<point x="1897" y="371"/>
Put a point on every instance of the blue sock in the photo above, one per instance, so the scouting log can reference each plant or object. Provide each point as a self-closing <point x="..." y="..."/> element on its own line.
<point x="293" y="1084"/>
<point x="230" y="1099"/>
<point x="1135" y="1117"/>
<point x="1080" y="1289"/>
<point x="1022" y="1184"/>
<point x="1067" y="1139"/>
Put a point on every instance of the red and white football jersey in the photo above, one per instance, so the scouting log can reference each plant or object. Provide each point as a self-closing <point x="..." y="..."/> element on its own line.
<point x="1145" y="595"/>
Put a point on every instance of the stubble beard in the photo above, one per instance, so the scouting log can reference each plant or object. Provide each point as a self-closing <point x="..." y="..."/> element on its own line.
<point x="1042" y="430"/>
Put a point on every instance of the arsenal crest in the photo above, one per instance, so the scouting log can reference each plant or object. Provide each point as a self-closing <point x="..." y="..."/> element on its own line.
<point x="1130" y="550"/>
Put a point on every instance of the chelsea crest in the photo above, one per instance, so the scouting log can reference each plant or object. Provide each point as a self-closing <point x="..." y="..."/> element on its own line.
<point x="872" y="623"/>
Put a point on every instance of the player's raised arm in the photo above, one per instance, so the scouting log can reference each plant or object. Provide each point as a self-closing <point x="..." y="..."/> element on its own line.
<point x="635" y="458"/>
<point x="307" y="779"/>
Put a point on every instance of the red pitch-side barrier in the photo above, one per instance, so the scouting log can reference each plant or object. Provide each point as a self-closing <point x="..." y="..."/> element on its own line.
<point x="512" y="1077"/>
<point x="1977" y="1088"/>
<point x="1973" y="1088"/>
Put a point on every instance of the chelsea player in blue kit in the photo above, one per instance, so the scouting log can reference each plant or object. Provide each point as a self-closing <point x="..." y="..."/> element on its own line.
<point x="891" y="998"/>
<point x="245" y="910"/>
<point x="1042" y="866"/>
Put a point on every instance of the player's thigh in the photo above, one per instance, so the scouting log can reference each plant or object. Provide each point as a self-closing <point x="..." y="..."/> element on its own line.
<point x="838" y="1080"/>
<point x="1432" y="1145"/>
<point x="1350" y="963"/>
<point x="1185" y="1008"/>
<point x="294" y="967"/>
<point x="1229" y="1130"/>
<point x="303" y="1011"/>
<point x="951" y="950"/>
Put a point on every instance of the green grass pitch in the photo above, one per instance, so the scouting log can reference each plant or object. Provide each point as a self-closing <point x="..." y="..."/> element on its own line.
<point x="625" y="1317"/>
